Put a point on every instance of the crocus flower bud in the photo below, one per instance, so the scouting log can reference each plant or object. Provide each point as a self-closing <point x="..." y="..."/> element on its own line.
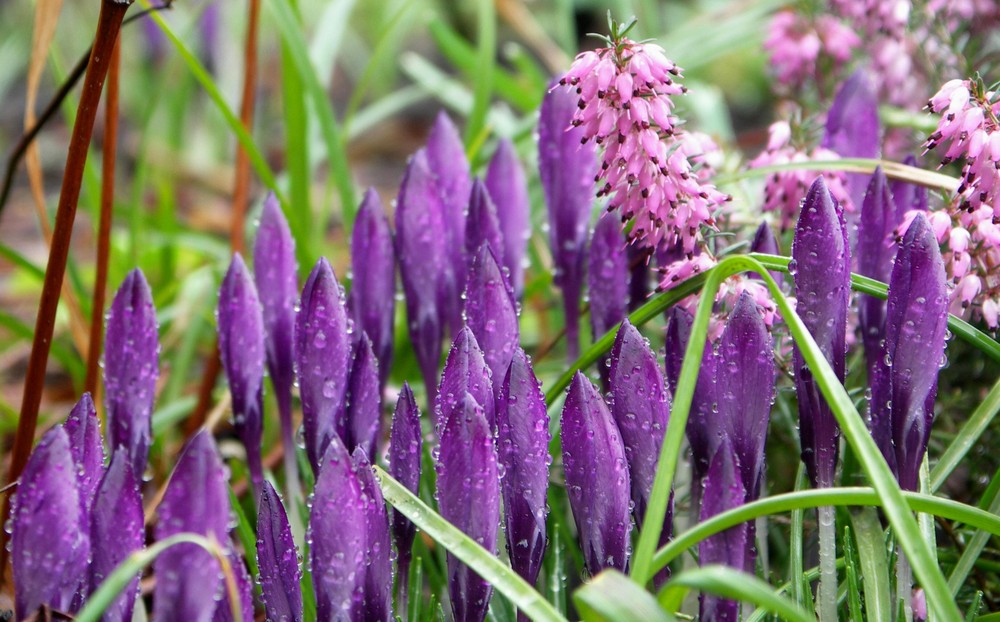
<point x="322" y="359"/>
<point x="373" y="288"/>
<point x="522" y="448"/>
<point x="363" y="399"/>
<point x="597" y="477"/>
<point x="765" y="242"/>
<point x="465" y="371"/>
<point x="823" y="289"/>
<point x="468" y="494"/>
<point x="131" y="367"/>
<point x="116" y="525"/>
<point x="277" y="560"/>
<point x="405" y="452"/>
<point x="377" y="600"/>
<point x="491" y="313"/>
<point x="188" y="578"/>
<point x="50" y="543"/>
<point x="567" y="170"/>
<point x="482" y="225"/>
<point x="852" y="127"/>
<point x="508" y="188"/>
<point x="907" y="196"/>
<point x="84" y="433"/>
<point x="607" y="280"/>
<point x="244" y="594"/>
<point x="241" y="347"/>
<point x="876" y="248"/>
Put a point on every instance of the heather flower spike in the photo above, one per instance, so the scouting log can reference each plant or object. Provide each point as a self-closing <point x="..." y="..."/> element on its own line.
<point x="241" y="347"/>
<point x="405" y="453"/>
<point x="277" y="560"/>
<point x="84" y="433"/>
<point x="117" y="525"/>
<point x="567" y="170"/>
<point x="377" y="599"/>
<point x="363" y="399"/>
<point x="189" y="580"/>
<point x="468" y="494"/>
<point x="322" y="359"/>
<point x="607" y="280"/>
<point x="424" y="265"/>
<point x="508" y="187"/>
<point x="50" y="543"/>
<point x="373" y="287"/>
<point x="597" y="477"/>
<point x="465" y="371"/>
<point x="482" y="225"/>
<point x="131" y="367"/>
<point x="876" y="248"/>
<point x="522" y="449"/>
<point x="852" y="127"/>
<point x="491" y="313"/>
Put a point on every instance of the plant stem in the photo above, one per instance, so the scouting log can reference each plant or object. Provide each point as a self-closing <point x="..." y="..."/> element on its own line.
<point x="904" y="585"/>
<point x="827" y="564"/>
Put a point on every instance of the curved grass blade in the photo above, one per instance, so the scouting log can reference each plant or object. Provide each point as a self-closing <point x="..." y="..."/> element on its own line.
<point x="874" y="565"/>
<point x="612" y="596"/>
<point x="892" y="170"/>
<point x="732" y="584"/>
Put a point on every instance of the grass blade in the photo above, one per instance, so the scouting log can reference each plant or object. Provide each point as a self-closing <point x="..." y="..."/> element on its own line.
<point x="968" y="436"/>
<point x="874" y="564"/>
<point x="729" y="583"/>
<point x="611" y="596"/>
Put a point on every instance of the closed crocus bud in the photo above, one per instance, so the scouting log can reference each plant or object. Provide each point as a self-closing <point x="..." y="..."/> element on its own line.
<point x="116" y="523"/>
<point x="468" y="494"/>
<point x="491" y="313"/>
<point x="84" y="433"/>
<point x="323" y="359"/>
<point x="597" y="477"/>
<point x="823" y="290"/>
<point x="278" y="560"/>
<point x="244" y="593"/>
<point x="567" y="170"/>
<point x="275" y="274"/>
<point x="607" y="280"/>
<point x="241" y="347"/>
<point x="876" y="248"/>
<point x="405" y="452"/>
<point x="482" y="225"/>
<point x="465" y="371"/>
<point x="363" y="399"/>
<point x="905" y="384"/>
<point x="188" y="578"/>
<point x="50" y="543"/>
<point x="508" y="188"/>
<point x="373" y="287"/>
<point x="338" y="532"/>
<point x="424" y="265"/>
<point x="907" y="196"/>
<point x="852" y="126"/>
<point x="377" y="600"/>
<point x="131" y="367"/>
<point x="765" y="242"/>
<point x="523" y="450"/>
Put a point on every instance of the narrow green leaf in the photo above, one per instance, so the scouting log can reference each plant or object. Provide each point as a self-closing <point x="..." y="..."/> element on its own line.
<point x="485" y="62"/>
<point x="973" y="548"/>
<point x="246" y="531"/>
<point x="799" y="586"/>
<point x="852" y="568"/>
<point x="977" y="603"/>
<point x="874" y="564"/>
<point x="967" y="437"/>
<point x="613" y="597"/>
<point x="729" y="583"/>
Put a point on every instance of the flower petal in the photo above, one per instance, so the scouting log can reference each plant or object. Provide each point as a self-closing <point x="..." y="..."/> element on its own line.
<point x="491" y="313"/>
<point x="84" y="432"/>
<point x="377" y="599"/>
<point x="608" y="279"/>
<point x="277" y="559"/>
<point x="364" y="399"/>
<point x="482" y="225"/>
<point x="852" y="126"/>
<point x="405" y="453"/>
<point x="508" y="188"/>
<point x="465" y="371"/>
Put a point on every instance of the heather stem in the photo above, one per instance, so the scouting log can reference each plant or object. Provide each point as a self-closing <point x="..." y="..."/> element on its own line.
<point x="827" y="565"/>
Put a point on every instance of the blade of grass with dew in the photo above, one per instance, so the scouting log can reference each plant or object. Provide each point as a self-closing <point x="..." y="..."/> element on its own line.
<point x="795" y="554"/>
<point x="729" y="583"/>
<point x="809" y="576"/>
<point x="967" y="437"/>
<point x="612" y="597"/>
<point x="874" y="564"/>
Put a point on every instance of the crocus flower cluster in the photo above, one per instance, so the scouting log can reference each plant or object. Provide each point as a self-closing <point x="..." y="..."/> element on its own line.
<point x="804" y="49"/>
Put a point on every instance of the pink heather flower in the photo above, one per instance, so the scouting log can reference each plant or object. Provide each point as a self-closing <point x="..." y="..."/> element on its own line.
<point x="648" y="163"/>
<point x="801" y="48"/>
<point x="889" y="17"/>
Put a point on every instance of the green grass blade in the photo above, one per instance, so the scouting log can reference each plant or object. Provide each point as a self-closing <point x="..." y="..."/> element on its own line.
<point x="973" y="548"/>
<point x="729" y="583"/>
<point x="795" y="554"/>
<point x="874" y="564"/>
<point x="613" y="597"/>
<point x="967" y="437"/>
<point x="247" y="534"/>
<point x="485" y="63"/>
<point x="852" y="569"/>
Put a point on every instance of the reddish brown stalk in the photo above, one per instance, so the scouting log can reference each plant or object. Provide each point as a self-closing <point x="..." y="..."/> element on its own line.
<point x="104" y="228"/>
<point x="108" y="25"/>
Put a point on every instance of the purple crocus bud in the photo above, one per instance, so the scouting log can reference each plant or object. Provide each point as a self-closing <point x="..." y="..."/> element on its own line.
<point x="637" y="260"/>
<point x="405" y="452"/>
<point x="607" y="281"/>
<point x="277" y="560"/>
<point x="491" y="313"/>
<point x="377" y="599"/>
<point x="447" y="161"/>
<point x="724" y="491"/>
<point x="373" y="287"/>
<point x="823" y="291"/>
<point x="482" y="225"/>
<point x="567" y="170"/>
<point x="424" y="265"/>
<point x="508" y="188"/>
<point x="117" y="524"/>
<point x="468" y="494"/>
<point x="876" y="248"/>
<point x="597" y="477"/>
<point x="907" y="196"/>
<point x="188" y="578"/>
<point x="465" y="371"/>
<point x="84" y="433"/>
<point x="275" y="274"/>
<point x="131" y="367"/>
<point x="338" y="531"/>
<point x="523" y="450"/>
<point x="765" y="242"/>
<point x="50" y="542"/>
<point x="905" y="383"/>
<point x="322" y="359"/>
<point x="241" y="347"/>
<point x="852" y="126"/>
<point x="244" y="592"/>
<point x="364" y="399"/>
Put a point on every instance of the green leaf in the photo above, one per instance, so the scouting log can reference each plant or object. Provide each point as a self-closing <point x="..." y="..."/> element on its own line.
<point x="613" y="597"/>
<point x="967" y="437"/>
<point x="852" y="568"/>
<point x="874" y="564"/>
<point x="729" y="583"/>
<point x="975" y="545"/>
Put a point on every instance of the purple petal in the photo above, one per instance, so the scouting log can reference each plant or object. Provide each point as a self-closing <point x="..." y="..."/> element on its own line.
<point x="131" y="367"/>
<point x="465" y="371"/>
<point x="491" y="313"/>
<point x="823" y="291"/>
<point x="117" y="524"/>
<point x="639" y="271"/>
<point x="424" y="264"/>
<point x="523" y="450"/>
<point x="852" y="127"/>
<point x="567" y="170"/>
<point x="188" y="578"/>
<point x="765" y="242"/>
<point x="377" y="603"/>
<point x="876" y="249"/>
<point x="244" y="590"/>
<point x="50" y="545"/>
<point x="508" y="188"/>
<point x="323" y="358"/>
<point x="275" y="274"/>
<point x="597" y="477"/>
<point x="241" y="347"/>
<point x="84" y="432"/>
<point x="468" y="493"/>
<point x="482" y="225"/>
<point x="277" y="559"/>
<point x="405" y="453"/>
<point x="906" y="196"/>
<point x="338" y="527"/>
<point x="607" y="280"/>
<point x="364" y="399"/>
<point x="373" y="288"/>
